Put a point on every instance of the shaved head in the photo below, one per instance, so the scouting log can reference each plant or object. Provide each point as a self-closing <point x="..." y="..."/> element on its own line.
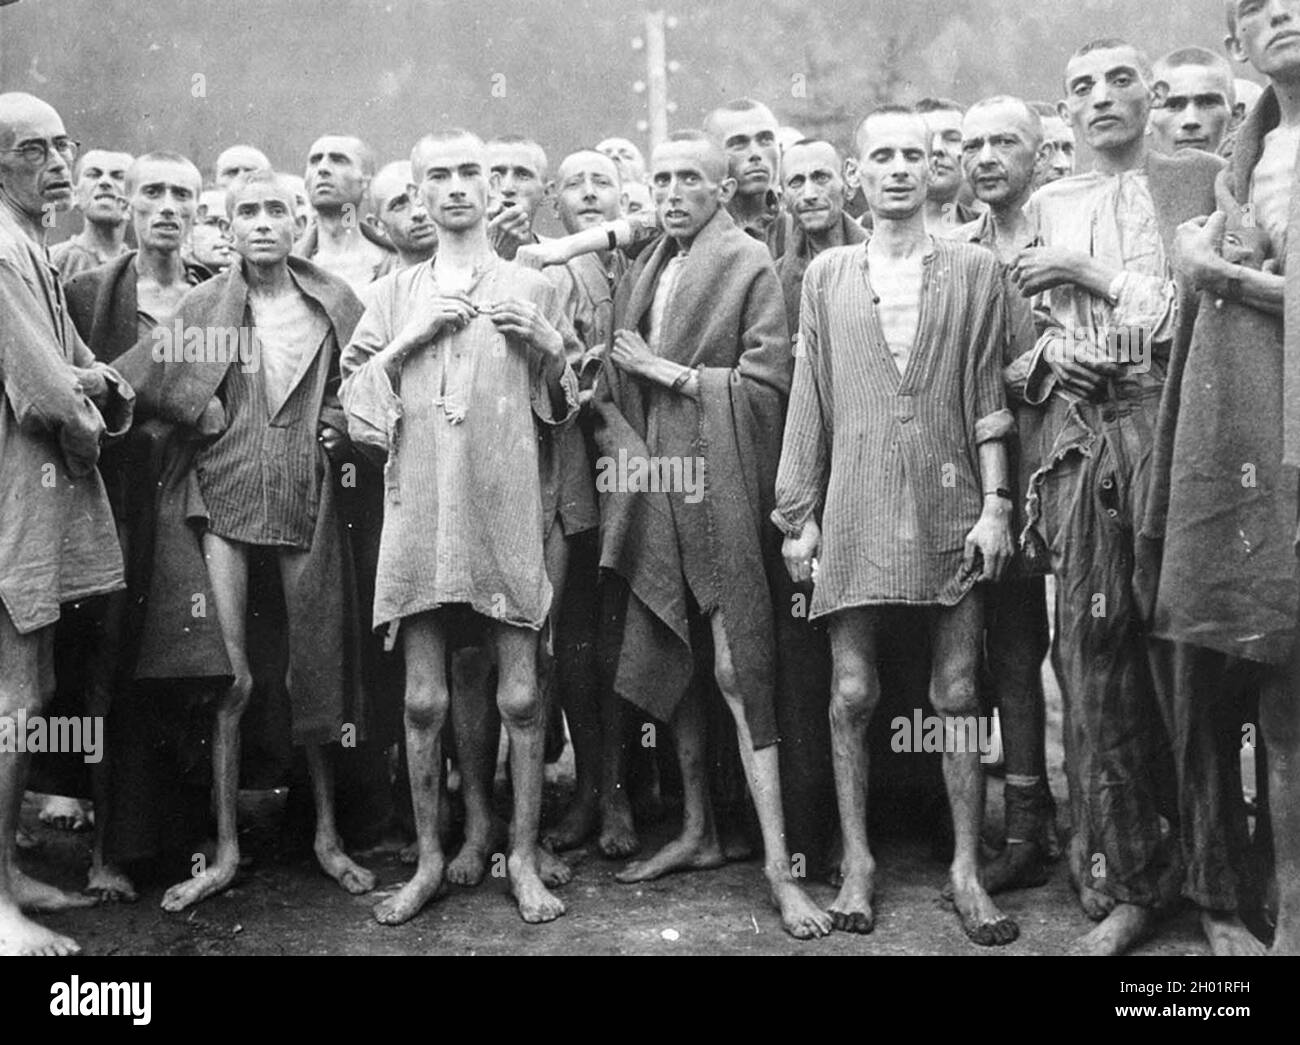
<point x="435" y="142"/>
<point x="237" y="160"/>
<point x="392" y="180"/>
<point x="587" y="158"/>
<point x="711" y="158"/>
<point x="19" y="110"/>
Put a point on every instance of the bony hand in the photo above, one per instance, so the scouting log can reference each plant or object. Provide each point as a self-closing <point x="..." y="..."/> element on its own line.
<point x="1041" y="268"/>
<point x="1198" y="248"/>
<point x="630" y="353"/>
<point x="539" y="255"/>
<point x="431" y="315"/>
<point x="509" y="230"/>
<point x="212" y="422"/>
<point x="332" y="440"/>
<point x="91" y="381"/>
<point x="798" y="552"/>
<point x="989" y="544"/>
<point x="525" y="321"/>
<point x="1081" y="368"/>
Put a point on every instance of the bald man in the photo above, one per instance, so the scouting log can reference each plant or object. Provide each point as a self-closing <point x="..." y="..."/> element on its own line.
<point x="341" y="241"/>
<point x="745" y="130"/>
<point x="237" y="160"/>
<point x="100" y="197"/>
<point x="519" y="185"/>
<point x="1195" y="97"/>
<point x="1058" y="138"/>
<point x="402" y="215"/>
<point x="57" y="540"/>
<point x="588" y="192"/>
<point x="698" y="375"/>
<point x="629" y="160"/>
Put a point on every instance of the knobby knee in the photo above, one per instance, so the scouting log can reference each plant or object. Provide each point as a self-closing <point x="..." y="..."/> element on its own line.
<point x="853" y="698"/>
<point x="426" y="703"/>
<point x="520" y="703"/>
<point x="955" y="694"/>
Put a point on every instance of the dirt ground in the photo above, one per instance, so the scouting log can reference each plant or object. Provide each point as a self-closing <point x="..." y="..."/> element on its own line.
<point x="285" y="906"/>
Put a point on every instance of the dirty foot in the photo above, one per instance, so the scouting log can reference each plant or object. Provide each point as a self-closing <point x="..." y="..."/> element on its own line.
<point x="1123" y="929"/>
<point x="33" y="895"/>
<point x="551" y="869"/>
<point x="1228" y="936"/>
<point x="802" y="918"/>
<point x="685" y="853"/>
<point x="109" y="885"/>
<point x="336" y="863"/>
<point x="980" y="918"/>
<point x="852" y="910"/>
<point x="65" y="814"/>
<point x="536" y="902"/>
<point x="19" y="936"/>
<point x="618" y="838"/>
<point x="200" y="887"/>
<point x="469" y="865"/>
<point x="575" y="826"/>
<point x="409" y="900"/>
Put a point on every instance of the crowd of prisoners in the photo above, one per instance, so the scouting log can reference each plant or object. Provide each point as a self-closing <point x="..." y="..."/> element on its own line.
<point x="327" y="479"/>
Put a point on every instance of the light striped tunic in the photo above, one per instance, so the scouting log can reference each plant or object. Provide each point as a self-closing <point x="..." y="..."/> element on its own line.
<point x="890" y="460"/>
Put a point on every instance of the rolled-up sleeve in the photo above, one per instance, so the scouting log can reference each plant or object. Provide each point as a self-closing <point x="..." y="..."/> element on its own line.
<point x="371" y="403"/>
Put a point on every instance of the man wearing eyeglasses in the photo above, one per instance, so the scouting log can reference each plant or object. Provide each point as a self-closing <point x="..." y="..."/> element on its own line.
<point x="57" y="540"/>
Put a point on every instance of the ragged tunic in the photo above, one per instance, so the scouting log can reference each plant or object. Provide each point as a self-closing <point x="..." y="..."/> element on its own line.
<point x="57" y="539"/>
<point x="257" y="482"/>
<point x="1229" y="580"/>
<point x="727" y="322"/>
<point x="463" y="520"/>
<point x="889" y="460"/>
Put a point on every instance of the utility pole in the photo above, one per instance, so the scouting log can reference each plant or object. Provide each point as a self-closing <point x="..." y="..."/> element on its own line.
<point x="655" y="85"/>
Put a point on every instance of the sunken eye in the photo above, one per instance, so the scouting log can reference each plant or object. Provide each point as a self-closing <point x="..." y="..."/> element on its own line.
<point x="795" y="183"/>
<point x="822" y="177"/>
<point x="766" y="138"/>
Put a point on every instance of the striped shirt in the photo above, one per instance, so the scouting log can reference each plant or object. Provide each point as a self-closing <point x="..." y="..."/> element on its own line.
<point x="890" y="460"/>
<point x="259" y="481"/>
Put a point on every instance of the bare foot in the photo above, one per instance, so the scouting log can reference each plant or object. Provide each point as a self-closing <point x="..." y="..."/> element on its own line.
<point x="1096" y="904"/>
<point x="409" y="855"/>
<point x="551" y="869"/>
<point x="852" y="912"/>
<point x="424" y="886"/>
<point x="335" y="862"/>
<point x="470" y="864"/>
<point x="1228" y="936"/>
<point x="19" y="936"/>
<point x="65" y="814"/>
<point x="980" y="918"/>
<point x="801" y="918"/>
<point x="1121" y="930"/>
<point x="575" y="826"/>
<point x="618" y="838"/>
<point x="200" y="887"/>
<point x="536" y="902"/>
<point x="1020" y="865"/>
<point x="685" y="853"/>
<point x="33" y="895"/>
<point x="110" y="885"/>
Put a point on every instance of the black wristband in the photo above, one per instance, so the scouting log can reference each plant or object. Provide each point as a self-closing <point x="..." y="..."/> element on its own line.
<point x="1002" y="492"/>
